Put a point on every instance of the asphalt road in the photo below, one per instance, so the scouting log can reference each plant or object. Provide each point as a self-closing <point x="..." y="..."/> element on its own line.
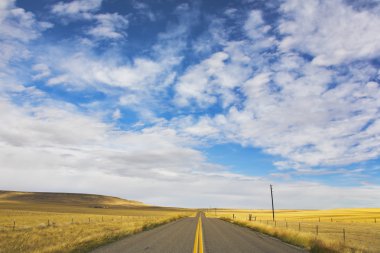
<point x="224" y="237"/>
<point x="174" y="237"/>
<point x="218" y="237"/>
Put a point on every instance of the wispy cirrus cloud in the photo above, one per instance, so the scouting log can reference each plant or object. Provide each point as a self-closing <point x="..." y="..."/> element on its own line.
<point x="41" y="71"/>
<point x="139" y="83"/>
<point x="72" y="9"/>
<point x="111" y="26"/>
<point x="144" y="10"/>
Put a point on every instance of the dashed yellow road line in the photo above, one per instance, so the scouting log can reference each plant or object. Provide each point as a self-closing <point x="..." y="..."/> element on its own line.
<point x="200" y="236"/>
<point x="198" y="242"/>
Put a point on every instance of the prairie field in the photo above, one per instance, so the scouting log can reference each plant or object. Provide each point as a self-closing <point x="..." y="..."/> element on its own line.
<point x="73" y="223"/>
<point x="350" y="230"/>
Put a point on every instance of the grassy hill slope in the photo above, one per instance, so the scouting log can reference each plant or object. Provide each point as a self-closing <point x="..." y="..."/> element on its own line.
<point x="73" y="199"/>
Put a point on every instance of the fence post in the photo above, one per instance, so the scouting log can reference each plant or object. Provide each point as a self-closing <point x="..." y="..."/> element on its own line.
<point x="344" y="235"/>
<point x="316" y="229"/>
<point x="14" y="225"/>
<point x="375" y="220"/>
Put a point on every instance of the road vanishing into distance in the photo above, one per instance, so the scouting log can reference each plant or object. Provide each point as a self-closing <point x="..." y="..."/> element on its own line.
<point x="199" y="235"/>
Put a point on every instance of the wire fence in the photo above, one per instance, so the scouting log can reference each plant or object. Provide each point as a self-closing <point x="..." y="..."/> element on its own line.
<point x="357" y="233"/>
<point x="25" y="224"/>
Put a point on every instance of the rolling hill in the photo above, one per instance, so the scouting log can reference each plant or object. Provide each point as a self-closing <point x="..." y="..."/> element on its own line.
<point x="28" y="199"/>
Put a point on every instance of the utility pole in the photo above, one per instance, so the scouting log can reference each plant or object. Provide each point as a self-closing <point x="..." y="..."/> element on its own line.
<point x="271" y="194"/>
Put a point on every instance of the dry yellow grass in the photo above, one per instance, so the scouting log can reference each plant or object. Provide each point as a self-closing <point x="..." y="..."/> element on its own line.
<point x="351" y="230"/>
<point x="39" y="224"/>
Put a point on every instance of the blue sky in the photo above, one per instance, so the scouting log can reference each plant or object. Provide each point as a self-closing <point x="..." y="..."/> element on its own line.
<point x="193" y="103"/>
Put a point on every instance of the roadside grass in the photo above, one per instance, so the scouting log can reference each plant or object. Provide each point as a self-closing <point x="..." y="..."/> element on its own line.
<point x="81" y="236"/>
<point x="338" y="230"/>
<point x="52" y="226"/>
<point x="301" y="239"/>
<point x="57" y="232"/>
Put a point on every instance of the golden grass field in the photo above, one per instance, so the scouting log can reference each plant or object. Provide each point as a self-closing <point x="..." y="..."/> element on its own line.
<point x="48" y="222"/>
<point x="58" y="222"/>
<point x="361" y="227"/>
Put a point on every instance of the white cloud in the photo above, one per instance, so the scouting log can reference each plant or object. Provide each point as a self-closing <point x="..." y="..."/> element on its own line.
<point x="84" y="70"/>
<point x="42" y="70"/>
<point x="195" y="83"/>
<point x="61" y="79"/>
<point x="116" y="114"/>
<point x="214" y="78"/>
<point x="308" y="114"/>
<point x="109" y="26"/>
<point x="139" y="83"/>
<point x="81" y="7"/>
<point x="331" y="31"/>
<point x="257" y="30"/>
<point x="83" y="67"/>
<point x="17" y="28"/>
<point x="202" y="127"/>
<point x="45" y="128"/>
<point x="196" y="128"/>
<point x="144" y="10"/>
<point x="17" y="24"/>
<point x="304" y="121"/>
<point x="215" y="36"/>
<point x="133" y="164"/>
<point x="50" y="132"/>
<point x="193" y="190"/>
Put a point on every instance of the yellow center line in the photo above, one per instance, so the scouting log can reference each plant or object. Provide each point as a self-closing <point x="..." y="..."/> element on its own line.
<point x="198" y="242"/>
